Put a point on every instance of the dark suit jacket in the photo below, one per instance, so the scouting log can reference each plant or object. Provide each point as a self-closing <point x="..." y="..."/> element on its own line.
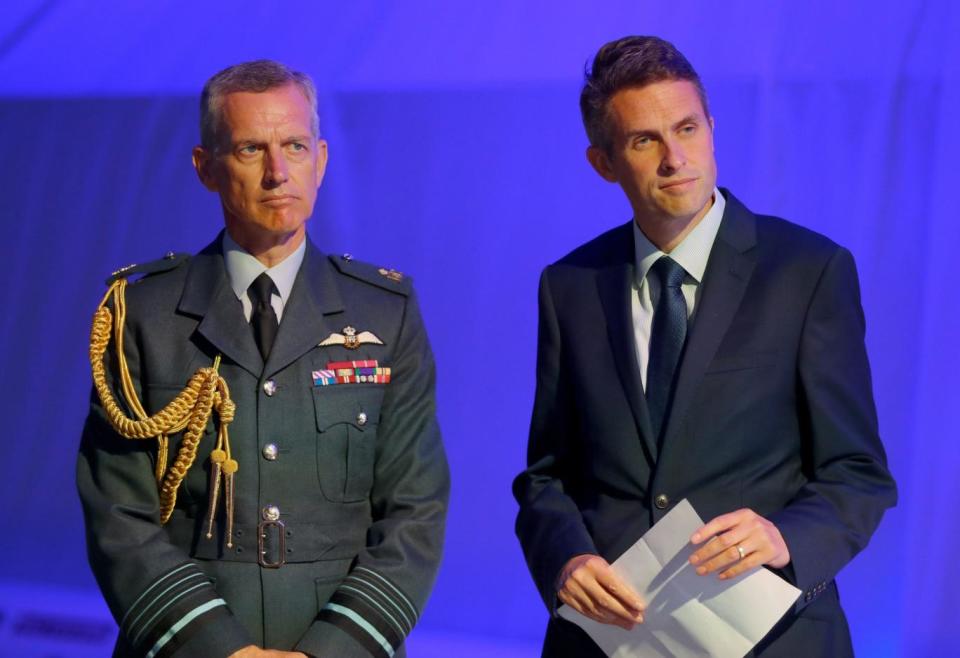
<point x="360" y="478"/>
<point x="773" y="411"/>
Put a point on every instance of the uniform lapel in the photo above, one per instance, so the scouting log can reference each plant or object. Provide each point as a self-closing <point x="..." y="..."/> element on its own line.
<point x="725" y="280"/>
<point x="615" y="287"/>
<point x="207" y="295"/>
<point x="314" y="296"/>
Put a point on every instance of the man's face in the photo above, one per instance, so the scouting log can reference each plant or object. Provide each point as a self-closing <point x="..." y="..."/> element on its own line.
<point x="268" y="165"/>
<point x="662" y="151"/>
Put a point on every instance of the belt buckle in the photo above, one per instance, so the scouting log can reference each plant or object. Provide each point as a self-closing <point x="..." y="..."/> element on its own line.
<point x="261" y="548"/>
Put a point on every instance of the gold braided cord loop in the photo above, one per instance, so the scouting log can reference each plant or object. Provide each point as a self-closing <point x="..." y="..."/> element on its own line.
<point x="190" y="409"/>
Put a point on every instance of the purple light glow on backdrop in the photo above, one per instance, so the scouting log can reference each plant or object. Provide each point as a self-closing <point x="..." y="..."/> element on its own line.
<point x="457" y="156"/>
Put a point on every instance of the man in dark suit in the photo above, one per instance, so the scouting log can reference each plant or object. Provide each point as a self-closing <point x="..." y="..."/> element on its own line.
<point x="315" y="526"/>
<point x="700" y="352"/>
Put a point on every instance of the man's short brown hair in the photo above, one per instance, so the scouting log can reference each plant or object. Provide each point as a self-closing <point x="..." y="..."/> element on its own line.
<point x="630" y="62"/>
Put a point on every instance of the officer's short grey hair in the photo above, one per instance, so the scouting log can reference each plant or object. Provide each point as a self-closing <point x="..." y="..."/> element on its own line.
<point x="256" y="76"/>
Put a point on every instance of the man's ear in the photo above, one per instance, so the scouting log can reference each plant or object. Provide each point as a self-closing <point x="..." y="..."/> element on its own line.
<point x="203" y="162"/>
<point x="600" y="162"/>
<point x="321" y="160"/>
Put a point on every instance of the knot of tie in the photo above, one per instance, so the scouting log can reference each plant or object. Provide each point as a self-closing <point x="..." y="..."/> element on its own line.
<point x="261" y="289"/>
<point x="668" y="272"/>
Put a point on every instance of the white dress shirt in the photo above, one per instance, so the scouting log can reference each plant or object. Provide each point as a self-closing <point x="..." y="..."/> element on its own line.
<point x="692" y="254"/>
<point x="243" y="268"/>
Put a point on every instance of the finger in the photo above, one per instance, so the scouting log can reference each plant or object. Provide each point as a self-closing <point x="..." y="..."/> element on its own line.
<point x="605" y="617"/>
<point x="589" y="608"/>
<point x="720" y="561"/>
<point x="718" y="546"/>
<point x="604" y="601"/>
<point x="581" y="605"/>
<point x="717" y="525"/>
<point x="576" y="597"/>
<point x="750" y="560"/>
<point x="586" y="590"/>
<point x="621" y="591"/>
<point x="611" y="606"/>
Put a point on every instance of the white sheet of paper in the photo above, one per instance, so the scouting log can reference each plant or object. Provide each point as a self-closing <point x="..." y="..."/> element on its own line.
<point x="687" y="614"/>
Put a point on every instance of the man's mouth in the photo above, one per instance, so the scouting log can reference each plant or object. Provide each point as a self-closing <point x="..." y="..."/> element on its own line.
<point x="678" y="184"/>
<point x="278" y="200"/>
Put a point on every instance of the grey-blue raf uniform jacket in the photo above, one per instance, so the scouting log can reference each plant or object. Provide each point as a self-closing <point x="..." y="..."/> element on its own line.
<point x="356" y="472"/>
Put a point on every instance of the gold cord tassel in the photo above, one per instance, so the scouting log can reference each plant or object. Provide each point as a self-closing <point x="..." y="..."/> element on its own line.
<point x="163" y="449"/>
<point x="190" y="410"/>
<point x="229" y="469"/>
<point x="216" y="460"/>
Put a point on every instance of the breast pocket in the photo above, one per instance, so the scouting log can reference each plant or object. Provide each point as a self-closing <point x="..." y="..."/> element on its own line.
<point x="347" y="420"/>
<point x="735" y="362"/>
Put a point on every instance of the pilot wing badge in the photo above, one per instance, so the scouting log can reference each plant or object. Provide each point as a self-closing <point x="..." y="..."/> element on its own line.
<point x="351" y="339"/>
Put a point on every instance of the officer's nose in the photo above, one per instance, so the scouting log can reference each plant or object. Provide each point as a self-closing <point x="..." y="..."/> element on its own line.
<point x="276" y="172"/>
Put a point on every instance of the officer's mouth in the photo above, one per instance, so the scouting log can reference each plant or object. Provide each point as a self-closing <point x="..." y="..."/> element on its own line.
<point x="278" y="201"/>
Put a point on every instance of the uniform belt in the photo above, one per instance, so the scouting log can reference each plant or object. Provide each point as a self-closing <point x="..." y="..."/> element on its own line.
<point x="270" y="543"/>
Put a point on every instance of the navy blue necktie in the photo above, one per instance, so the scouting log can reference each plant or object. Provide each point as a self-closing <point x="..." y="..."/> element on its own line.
<point x="264" y="318"/>
<point x="666" y="340"/>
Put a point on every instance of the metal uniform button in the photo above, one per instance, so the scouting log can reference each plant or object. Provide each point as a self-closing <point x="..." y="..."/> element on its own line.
<point x="271" y="513"/>
<point x="361" y="418"/>
<point x="270" y="387"/>
<point x="661" y="501"/>
<point x="270" y="452"/>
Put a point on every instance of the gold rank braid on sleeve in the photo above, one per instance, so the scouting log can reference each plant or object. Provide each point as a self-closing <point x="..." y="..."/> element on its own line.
<point x="190" y="409"/>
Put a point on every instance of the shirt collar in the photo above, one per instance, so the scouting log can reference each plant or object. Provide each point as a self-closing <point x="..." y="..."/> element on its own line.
<point x="692" y="254"/>
<point x="243" y="268"/>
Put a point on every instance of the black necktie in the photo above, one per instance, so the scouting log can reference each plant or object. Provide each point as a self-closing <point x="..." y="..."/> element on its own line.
<point x="263" y="319"/>
<point x="666" y="339"/>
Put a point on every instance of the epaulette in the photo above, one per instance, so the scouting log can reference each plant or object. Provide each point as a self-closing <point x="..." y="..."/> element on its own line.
<point x="169" y="262"/>
<point x="386" y="278"/>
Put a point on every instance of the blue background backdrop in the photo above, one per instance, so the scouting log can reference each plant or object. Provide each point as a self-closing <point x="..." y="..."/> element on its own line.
<point x="456" y="155"/>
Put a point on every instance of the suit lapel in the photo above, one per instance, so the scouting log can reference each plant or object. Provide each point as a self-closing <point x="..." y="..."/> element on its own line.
<point x="207" y="295"/>
<point x="615" y="287"/>
<point x="314" y="296"/>
<point x="725" y="280"/>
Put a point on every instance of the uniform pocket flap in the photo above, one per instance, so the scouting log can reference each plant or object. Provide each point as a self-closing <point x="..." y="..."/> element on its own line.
<point x="352" y="404"/>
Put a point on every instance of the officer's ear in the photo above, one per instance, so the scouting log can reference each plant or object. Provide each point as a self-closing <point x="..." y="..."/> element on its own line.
<point x="600" y="162"/>
<point x="204" y="163"/>
<point x="321" y="160"/>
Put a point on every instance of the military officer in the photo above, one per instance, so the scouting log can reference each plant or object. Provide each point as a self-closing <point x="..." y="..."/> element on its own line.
<point x="294" y="502"/>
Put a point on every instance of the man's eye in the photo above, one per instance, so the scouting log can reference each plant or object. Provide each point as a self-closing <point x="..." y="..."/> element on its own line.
<point x="297" y="146"/>
<point x="249" y="149"/>
<point x="640" y="142"/>
<point x="689" y="130"/>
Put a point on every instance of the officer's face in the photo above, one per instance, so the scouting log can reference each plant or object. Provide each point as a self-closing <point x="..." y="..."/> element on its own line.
<point x="661" y="153"/>
<point x="268" y="166"/>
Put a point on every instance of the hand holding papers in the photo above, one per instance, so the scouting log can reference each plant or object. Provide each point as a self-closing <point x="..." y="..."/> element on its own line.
<point x="687" y="614"/>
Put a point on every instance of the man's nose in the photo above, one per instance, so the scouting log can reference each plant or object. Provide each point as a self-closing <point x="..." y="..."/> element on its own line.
<point x="276" y="172"/>
<point x="674" y="157"/>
